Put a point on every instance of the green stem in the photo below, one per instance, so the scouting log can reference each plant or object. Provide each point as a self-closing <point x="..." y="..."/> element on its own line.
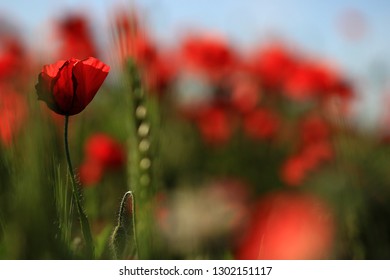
<point x="85" y="228"/>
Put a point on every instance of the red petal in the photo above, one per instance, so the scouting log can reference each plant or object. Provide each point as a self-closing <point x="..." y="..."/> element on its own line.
<point x="90" y="74"/>
<point x="46" y="82"/>
<point x="63" y="89"/>
<point x="52" y="70"/>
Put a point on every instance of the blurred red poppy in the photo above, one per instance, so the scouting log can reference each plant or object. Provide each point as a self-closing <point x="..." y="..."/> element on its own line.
<point x="90" y="172"/>
<point x="272" y="64"/>
<point x="294" y="170"/>
<point x="102" y="153"/>
<point x="106" y="150"/>
<point x="157" y="68"/>
<point x="15" y="61"/>
<point x="245" y="93"/>
<point x="76" y="38"/>
<point x="13" y="113"/>
<point x="159" y="74"/>
<point x="309" y="80"/>
<point x="313" y="129"/>
<point x="133" y="41"/>
<point x="315" y="148"/>
<point x="69" y="86"/>
<point x="288" y="226"/>
<point x="209" y="55"/>
<point x="214" y="125"/>
<point x="261" y="124"/>
<point x="317" y="153"/>
<point x="302" y="83"/>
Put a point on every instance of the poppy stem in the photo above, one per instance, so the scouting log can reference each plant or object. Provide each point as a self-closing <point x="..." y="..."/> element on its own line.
<point x="85" y="228"/>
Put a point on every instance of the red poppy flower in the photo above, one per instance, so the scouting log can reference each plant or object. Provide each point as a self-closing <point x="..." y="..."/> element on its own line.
<point x="245" y="94"/>
<point x="261" y="124"/>
<point x="289" y="226"/>
<point x="310" y="80"/>
<point x="90" y="172"/>
<point x="214" y="126"/>
<point x="314" y="129"/>
<point x="102" y="153"/>
<point x="133" y="40"/>
<point x="210" y="55"/>
<point x="13" y="113"/>
<point x="12" y="58"/>
<point x="159" y="73"/>
<point x="76" y="37"/>
<point x="294" y="170"/>
<point x="302" y="84"/>
<point x="69" y="86"/>
<point x="317" y="153"/>
<point x="104" y="149"/>
<point x="272" y="65"/>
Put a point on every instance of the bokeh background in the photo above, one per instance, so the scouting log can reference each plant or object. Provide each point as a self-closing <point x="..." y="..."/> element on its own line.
<point x="351" y="33"/>
<point x="262" y="130"/>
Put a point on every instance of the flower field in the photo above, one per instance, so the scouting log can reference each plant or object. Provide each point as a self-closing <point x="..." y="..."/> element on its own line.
<point x="196" y="151"/>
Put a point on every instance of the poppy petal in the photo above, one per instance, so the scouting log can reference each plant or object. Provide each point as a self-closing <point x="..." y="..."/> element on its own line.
<point x="63" y="89"/>
<point x="52" y="70"/>
<point x="90" y="75"/>
<point x="46" y="80"/>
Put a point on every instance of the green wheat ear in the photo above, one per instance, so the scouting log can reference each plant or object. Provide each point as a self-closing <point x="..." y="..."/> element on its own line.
<point x="123" y="242"/>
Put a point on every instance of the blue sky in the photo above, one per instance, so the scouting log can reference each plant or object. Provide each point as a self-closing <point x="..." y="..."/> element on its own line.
<point x="311" y="25"/>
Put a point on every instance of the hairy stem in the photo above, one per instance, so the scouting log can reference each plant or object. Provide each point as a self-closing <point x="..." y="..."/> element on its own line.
<point x="85" y="228"/>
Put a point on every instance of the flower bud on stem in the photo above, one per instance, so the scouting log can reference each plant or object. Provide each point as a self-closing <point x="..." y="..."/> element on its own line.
<point x="123" y="239"/>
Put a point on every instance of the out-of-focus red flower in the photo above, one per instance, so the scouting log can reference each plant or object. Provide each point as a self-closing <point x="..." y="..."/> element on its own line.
<point x="261" y="124"/>
<point x="102" y="153"/>
<point x="104" y="149"/>
<point x="272" y="64"/>
<point x="90" y="172"/>
<point x="13" y="114"/>
<point x="316" y="153"/>
<point x="288" y="226"/>
<point x="245" y="94"/>
<point x="142" y="50"/>
<point x="69" y="86"/>
<point x="159" y="74"/>
<point x="76" y="38"/>
<point x="15" y="61"/>
<point x="133" y="41"/>
<point x="12" y="55"/>
<point x="294" y="170"/>
<point x="158" y="69"/>
<point x="315" y="149"/>
<point x="210" y="55"/>
<point x="214" y="125"/>
<point x="314" y="129"/>
<point x="301" y="84"/>
<point x="309" y="80"/>
<point x="339" y="100"/>
<point x="343" y="89"/>
<point x="127" y="23"/>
